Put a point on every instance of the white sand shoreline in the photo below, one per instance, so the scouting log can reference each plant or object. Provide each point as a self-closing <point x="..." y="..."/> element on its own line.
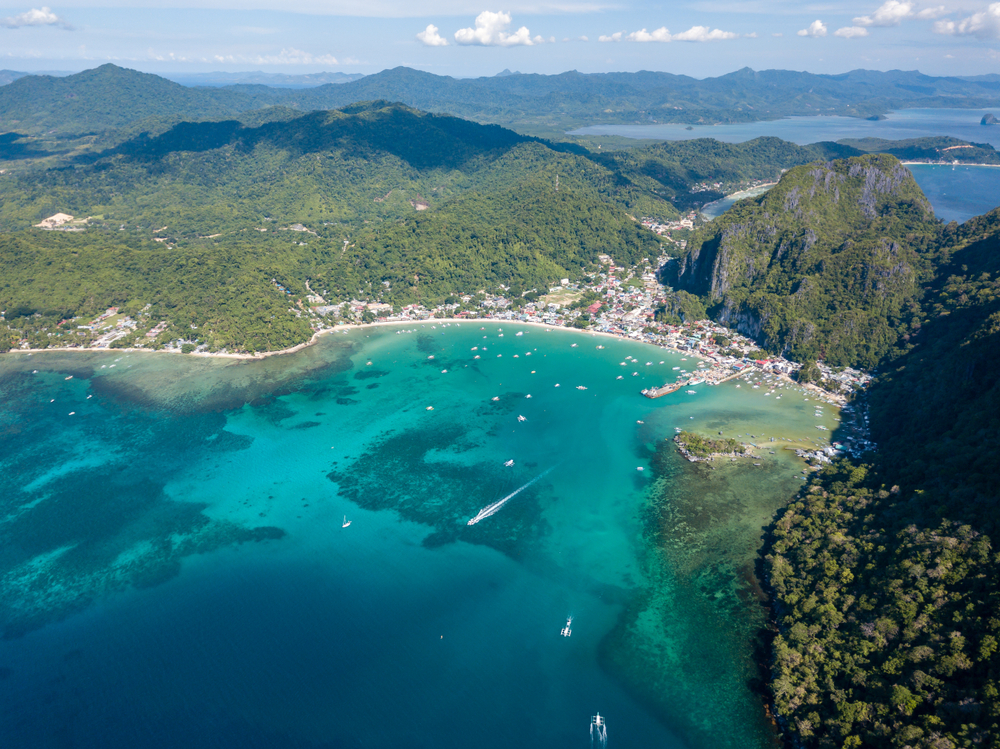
<point x="350" y="326"/>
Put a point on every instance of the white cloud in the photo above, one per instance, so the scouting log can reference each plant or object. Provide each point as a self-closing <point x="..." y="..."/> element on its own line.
<point x="928" y="13"/>
<point x="751" y="35"/>
<point x="889" y="13"/>
<point x="431" y="37"/>
<point x="491" y="31"/>
<point x="34" y="17"/>
<point x="702" y="34"/>
<point x="816" y="28"/>
<point x="662" y="34"/>
<point x="777" y="33"/>
<point x="985" y="24"/>
<point x="851" y="32"/>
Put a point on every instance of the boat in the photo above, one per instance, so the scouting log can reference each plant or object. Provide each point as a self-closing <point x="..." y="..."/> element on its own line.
<point x="691" y="392"/>
<point x="346" y="522"/>
<point x="557" y="384"/>
<point x="528" y="395"/>
<point x="573" y="346"/>
<point x="580" y="387"/>
<point x="566" y="631"/>
<point x="431" y="356"/>
<point x="521" y="418"/>
<point x="600" y="347"/>
<point x="597" y="721"/>
<point x="520" y="332"/>
<point x="619" y="377"/>
<point x="476" y="356"/>
<point x="640" y="468"/>
<point x="430" y="408"/>
<point x="495" y="398"/>
<point x="509" y="463"/>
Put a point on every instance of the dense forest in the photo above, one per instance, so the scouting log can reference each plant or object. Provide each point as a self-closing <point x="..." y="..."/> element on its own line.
<point x="828" y="264"/>
<point x="884" y="571"/>
<point x="376" y="201"/>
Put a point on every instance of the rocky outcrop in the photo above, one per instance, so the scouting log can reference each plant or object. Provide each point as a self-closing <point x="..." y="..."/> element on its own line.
<point x="830" y="245"/>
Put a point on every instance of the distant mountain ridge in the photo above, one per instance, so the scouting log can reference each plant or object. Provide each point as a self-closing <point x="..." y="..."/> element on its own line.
<point x="109" y="97"/>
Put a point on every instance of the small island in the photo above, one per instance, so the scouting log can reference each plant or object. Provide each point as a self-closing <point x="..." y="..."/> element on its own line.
<point x="696" y="448"/>
<point x="989" y="119"/>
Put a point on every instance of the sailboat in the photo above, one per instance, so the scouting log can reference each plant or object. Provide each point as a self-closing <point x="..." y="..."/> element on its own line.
<point x="346" y="522"/>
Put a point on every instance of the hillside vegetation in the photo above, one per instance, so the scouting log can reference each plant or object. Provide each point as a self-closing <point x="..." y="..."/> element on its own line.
<point x="886" y="573"/>
<point x="828" y="264"/>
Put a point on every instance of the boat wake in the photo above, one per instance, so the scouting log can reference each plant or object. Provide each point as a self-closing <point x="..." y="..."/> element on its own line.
<point x="598" y="730"/>
<point x="494" y="508"/>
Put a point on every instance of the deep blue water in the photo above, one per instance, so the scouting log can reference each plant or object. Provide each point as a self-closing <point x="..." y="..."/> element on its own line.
<point x="174" y="570"/>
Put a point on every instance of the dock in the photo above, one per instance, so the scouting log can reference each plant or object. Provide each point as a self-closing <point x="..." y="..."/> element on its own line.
<point x="665" y="390"/>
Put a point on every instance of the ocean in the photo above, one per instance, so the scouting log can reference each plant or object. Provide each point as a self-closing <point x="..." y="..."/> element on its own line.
<point x="898" y="125"/>
<point x="176" y="569"/>
<point x="956" y="193"/>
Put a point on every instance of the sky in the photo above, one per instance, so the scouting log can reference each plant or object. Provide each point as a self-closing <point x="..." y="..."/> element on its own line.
<point x="701" y="38"/>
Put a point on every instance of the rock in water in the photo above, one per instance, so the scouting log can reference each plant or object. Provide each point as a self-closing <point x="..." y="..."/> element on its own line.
<point x="989" y="119"/>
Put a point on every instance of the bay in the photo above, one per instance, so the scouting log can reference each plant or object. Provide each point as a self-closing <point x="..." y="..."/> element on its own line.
<point x="175" y="571"/>
<point x="956" y="192"/>
<point x="898" y="125"/>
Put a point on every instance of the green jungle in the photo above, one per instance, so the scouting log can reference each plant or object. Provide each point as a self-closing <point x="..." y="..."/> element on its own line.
<point x="218" y="211"/>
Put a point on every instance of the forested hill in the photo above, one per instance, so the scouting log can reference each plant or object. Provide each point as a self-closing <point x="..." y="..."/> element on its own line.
<point x="828" y="264"/>
<point x="670" y="169"/>
<point x="111" y="97"/>
<point x="377" y="202"/>
<point x="886" y="573"/>
<point x="332" y="171"/>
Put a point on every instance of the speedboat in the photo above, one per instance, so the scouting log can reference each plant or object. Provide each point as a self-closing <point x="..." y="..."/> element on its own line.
<point x="509" y="463"/>
<point x="495" y="398"/>
<point x="521" y="418"/>
<point x="580" y="387"/>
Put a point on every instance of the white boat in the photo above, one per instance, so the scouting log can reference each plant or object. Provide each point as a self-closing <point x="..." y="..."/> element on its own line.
<point x="520" y="332"/>
<point x="346" y="522"/>
<point x="566" y="631"/>
<point x="600" y="347"/>
<point x="619" y="377"/>
<point x="573" y="346"/>
<point x="495" y="398"/>
<point x="509" y="463"/>
<point x="521" y="418"/>
<point x="528" y="395"/>
<point x="580" y="387"/>
<point x="691" y="392"/>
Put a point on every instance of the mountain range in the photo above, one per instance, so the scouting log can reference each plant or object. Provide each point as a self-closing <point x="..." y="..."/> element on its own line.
<point x="110" y="97"/>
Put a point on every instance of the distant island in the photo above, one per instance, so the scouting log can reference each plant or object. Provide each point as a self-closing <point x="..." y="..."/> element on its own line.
<point x="989" y="119"/>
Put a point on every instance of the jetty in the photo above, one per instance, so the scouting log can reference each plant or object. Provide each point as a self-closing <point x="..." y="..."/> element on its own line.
<point x="664" y="390"/>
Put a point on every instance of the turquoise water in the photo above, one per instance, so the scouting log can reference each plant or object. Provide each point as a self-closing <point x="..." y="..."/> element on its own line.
<point x="175" y="571"/>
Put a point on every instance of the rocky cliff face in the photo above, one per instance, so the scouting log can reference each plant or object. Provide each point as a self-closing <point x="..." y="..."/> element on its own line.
<point x="823" y="265"/>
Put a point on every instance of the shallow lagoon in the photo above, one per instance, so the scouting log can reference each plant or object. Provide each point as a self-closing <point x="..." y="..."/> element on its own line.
<point x="175" y="571"/>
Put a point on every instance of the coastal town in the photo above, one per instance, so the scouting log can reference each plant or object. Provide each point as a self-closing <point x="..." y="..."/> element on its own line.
<point x="625" y="302"/>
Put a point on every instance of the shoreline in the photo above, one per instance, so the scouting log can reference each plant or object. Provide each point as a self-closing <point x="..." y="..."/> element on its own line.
<point x="350" y="326"/>
<point x="945" y="163"/>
